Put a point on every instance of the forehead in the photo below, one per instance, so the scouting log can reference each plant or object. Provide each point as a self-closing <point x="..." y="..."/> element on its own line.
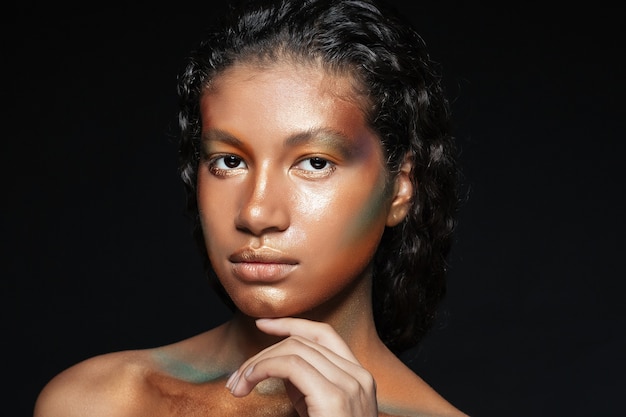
<point x="310" y="79"/>
<point x="270" y="108"/>
<point x="282" y="99"/>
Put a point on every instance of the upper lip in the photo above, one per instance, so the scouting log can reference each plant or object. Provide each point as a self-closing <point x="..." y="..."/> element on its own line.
<point x="261" y="255"/>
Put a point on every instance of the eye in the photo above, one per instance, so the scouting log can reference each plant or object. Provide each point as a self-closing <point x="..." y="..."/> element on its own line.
<point x="225" y="165"/>
<point x="228" y="162"/>
<point x="315" y="167"/>
<point x="313" y="164"/>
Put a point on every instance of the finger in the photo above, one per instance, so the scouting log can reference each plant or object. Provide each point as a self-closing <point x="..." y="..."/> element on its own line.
<point x="333" y="367"/>
<point x="316" y="393"/>
<point x="318" y="332"/>
<point x="314" y="353"/>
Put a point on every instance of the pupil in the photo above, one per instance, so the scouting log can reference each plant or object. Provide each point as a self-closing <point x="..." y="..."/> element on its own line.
<point x="318" y="163"/>
<point x="231" y="161"/>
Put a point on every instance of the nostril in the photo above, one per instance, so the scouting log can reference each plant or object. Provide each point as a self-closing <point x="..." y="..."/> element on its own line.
<point x="263" y="217"/>
<point x="263" y="206"/>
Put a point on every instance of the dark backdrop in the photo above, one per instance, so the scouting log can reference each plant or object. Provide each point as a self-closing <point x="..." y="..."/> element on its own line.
<point x="98" y="254"/>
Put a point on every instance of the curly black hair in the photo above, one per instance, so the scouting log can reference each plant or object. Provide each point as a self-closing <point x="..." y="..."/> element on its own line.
<point x="408" y="110"/>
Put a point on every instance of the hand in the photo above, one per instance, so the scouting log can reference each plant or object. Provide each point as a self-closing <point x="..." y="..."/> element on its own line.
<point x="321" y="374"/>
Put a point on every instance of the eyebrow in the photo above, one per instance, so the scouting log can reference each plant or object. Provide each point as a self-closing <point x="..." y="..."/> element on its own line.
<point x="320" y="136"/>
<point x="218" y="135"/>
<point x="323" y="136"/>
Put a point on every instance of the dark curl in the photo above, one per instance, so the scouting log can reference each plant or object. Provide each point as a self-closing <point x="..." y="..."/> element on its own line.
<point x="406" y="107"/>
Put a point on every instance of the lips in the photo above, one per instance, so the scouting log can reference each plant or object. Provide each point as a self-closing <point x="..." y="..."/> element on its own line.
<point x="261" y="265"/>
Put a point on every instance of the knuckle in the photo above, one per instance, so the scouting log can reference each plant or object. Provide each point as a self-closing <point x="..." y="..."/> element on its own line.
<point x="292" y="342"/>
<point x="369" y="383"/>
<point x="293" y="360"/>
<point x="324" y="329"/>
<point x="353" y="387"/>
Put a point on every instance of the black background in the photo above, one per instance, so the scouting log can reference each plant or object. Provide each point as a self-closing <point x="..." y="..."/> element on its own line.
<point x="98" y="254"/>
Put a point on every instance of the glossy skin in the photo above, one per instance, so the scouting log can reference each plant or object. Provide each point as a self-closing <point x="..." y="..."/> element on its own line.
<point x="294" y="197"/>
<point x="292" y="189"/>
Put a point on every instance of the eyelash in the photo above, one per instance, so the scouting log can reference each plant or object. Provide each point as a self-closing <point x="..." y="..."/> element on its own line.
<point x="227" y="171"/>
<point x="326" y="170"/>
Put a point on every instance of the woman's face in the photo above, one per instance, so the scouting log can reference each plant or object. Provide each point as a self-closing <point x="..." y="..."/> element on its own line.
<point x="292" y="187"/>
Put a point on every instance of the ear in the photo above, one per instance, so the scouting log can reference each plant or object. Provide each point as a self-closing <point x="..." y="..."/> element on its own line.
<point x="402" y="193"/>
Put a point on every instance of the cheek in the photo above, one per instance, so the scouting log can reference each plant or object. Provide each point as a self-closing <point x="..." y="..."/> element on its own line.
<point x="369" y="216"/>
<point x="203" y="201"/>
<point x="211" y="211"/>
<point x="344" y="220"/>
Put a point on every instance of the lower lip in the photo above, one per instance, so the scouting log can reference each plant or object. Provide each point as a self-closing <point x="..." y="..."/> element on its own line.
<point x="261" y="272"/>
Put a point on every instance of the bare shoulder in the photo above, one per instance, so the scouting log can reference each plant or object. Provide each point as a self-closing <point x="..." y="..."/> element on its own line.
<point x="106" y="385"/>
<point x="402" y="393"/>
<point x="120" y="384"/>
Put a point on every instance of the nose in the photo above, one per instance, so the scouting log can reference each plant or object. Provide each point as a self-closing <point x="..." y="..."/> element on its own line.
<point x="264" y="207"/>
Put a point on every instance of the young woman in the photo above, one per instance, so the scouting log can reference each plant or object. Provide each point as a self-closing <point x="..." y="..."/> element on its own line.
<point x="316" y="152"/>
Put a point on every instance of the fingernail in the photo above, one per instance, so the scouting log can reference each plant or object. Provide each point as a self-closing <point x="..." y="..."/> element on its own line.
<point x="231" y="378"/>
<point x="248" y="372"/>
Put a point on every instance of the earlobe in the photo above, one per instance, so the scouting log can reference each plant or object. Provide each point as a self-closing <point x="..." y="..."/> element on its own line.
<point x="402" y="193"/>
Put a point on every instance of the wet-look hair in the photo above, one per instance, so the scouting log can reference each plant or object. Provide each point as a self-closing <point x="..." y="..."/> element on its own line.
<point x="404" y="103"/>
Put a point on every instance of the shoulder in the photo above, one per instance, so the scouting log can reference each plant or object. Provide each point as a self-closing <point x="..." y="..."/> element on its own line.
<point x="106" y="385"/>
<point x="401" y="392"/>
<point x="120" y="384"/>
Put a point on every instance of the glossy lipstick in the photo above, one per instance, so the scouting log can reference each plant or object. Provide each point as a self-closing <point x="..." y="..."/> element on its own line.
<point x="261" y="265"/>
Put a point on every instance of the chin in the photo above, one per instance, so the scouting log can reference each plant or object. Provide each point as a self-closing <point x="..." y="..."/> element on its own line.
<point x="267" y="310"/>
<point x="271" y="310"/>
<point x="266" y="307"/>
